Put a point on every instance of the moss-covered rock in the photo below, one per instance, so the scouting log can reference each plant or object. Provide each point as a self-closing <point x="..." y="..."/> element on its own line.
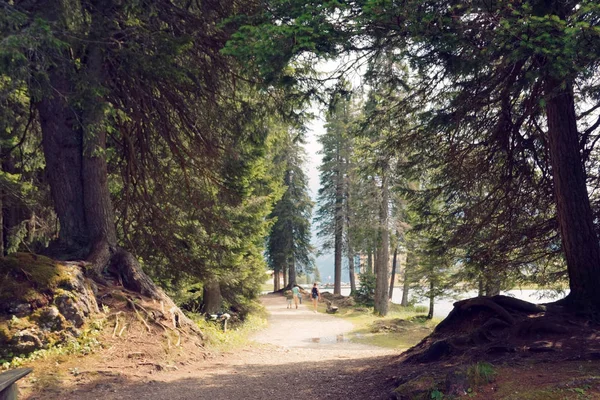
<point x="42" y="302"/>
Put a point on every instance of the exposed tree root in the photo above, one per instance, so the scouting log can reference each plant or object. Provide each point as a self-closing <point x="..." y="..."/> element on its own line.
<point x="494" y="326"/>
<point x="124" y="268"/>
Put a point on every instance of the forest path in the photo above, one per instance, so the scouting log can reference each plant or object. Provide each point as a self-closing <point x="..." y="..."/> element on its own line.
<point x="300" y="355"/>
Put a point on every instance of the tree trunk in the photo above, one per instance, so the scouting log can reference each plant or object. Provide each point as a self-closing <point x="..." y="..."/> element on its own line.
<point x="406" y="283"/>
<point x="292" y="274"/>
<point x="431" y="300"/>
<point x="574" y="214"/>
<point x="369" y="261"/>
<point x="285" y="280"/>
<point x="492" y="284"/>
<point x="337" y="270"/>
<point x="481" y="287"/>
<point x="211" y="296"/>
<point x="1" y="223"/>
<point x="383" y="256"/>
<point x="62" y="144"/>
<point x="351" y="273"/>
<point x="339" y="229"/>
<point x="392" y="280"/>
<point x="276" y="281"/>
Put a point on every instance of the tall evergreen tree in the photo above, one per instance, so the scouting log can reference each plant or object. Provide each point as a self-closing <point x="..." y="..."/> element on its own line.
<point x="288" y="245"/>
<point x="333" y="206"/>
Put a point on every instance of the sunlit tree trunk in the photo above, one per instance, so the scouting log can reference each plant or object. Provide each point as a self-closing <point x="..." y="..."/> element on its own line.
<point x="573" y="210"/>
<point x="393" y="278"/>
<point x="382" y="262"/>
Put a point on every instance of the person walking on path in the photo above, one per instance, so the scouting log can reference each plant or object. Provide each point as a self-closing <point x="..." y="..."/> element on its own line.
<point x="316" y="296"/>
<point x="296" y="294"/>
<point x="289" y="296"/>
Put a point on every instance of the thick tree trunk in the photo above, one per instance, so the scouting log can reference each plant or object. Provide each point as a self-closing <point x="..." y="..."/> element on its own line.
<point x="62" y="144"/>
<point x="292" y="274"/>
<point x="276" y="281"/>
<point x="574" y="214"/>
<point x="383" y="256"/>
<point x="211" y="297"/>
<point x="492" y="285"/>
<point x="393" y="279"/>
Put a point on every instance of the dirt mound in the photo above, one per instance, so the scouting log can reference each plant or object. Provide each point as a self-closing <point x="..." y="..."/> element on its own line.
<point x="497" y="330"/>
<point x="46" y="303"/>
<point x="338" y="300"/>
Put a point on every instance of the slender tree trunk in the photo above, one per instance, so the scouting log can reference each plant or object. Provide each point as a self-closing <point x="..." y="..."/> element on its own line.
<point x="1" y="223"/>
<point x="383" y="256"/>
<point x="406" y="282"/>
<point x="285" y="280"/>
<point x="349" y="246"/>
<point x="351" y="273"/>
<point x="339" y="230"/>
<point x="370" y="261"/>
<point x="393" y="279"/>
<point x="574" y="214"/>
<point x="431" y="300"/>
<point x="481" y="287"/>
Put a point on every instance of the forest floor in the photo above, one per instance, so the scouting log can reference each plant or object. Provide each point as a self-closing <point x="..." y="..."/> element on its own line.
<point x="300" y="355"/>
<point x="306" y="355"/>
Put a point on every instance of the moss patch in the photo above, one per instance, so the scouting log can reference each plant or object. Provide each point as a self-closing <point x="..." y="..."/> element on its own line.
<point x="30" y="276"/>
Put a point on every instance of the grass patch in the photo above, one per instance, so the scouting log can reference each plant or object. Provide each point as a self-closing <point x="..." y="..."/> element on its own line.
<point x="402" y="328"/>
<point x="235" y="337"/>
<point x="480" y="374"/>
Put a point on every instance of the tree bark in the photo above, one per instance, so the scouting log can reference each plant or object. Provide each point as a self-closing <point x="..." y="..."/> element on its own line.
<point x="573" y="211"/>
<point x="431" y="300"/>
<point x="62" y="145"/>
<point x="395" y="258"/>
<point x="381" y="265"/>
<point x="339" y="228"/>
<point x="406" y="282"/>
<point x="276" y="281"/>
<point x="351" y="273"/>
<point x="292" y="274"/>
<point x="211" y="297"/>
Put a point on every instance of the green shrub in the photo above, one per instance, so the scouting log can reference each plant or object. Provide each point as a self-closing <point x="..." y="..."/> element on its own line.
<point x="365" y="294"/>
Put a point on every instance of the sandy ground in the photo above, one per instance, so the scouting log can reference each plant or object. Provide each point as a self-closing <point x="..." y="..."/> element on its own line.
<point x="300" y="355"/>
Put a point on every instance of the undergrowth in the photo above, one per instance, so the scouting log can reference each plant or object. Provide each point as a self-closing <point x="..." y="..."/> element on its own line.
<point x="86" y="343"/>
<point x="235" y="337"/>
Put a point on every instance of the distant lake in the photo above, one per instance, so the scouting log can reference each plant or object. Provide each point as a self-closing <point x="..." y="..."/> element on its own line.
<point x="443" y="306"/>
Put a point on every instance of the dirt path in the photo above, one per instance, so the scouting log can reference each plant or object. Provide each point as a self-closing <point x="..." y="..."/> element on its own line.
<point x="301" y="355"/>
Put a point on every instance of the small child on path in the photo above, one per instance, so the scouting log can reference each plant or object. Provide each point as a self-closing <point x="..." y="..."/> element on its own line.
<point x="296" y="294"/>
<point x="289" y="296"/>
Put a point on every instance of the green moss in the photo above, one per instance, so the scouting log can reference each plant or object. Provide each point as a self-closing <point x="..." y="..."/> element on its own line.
<point x="5" y="336"/>
<point x="19" y="324"/>
<point x="29" y="275"/>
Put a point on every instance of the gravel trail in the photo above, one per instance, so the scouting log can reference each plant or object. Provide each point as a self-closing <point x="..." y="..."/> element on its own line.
<point x="300" y="355"/>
